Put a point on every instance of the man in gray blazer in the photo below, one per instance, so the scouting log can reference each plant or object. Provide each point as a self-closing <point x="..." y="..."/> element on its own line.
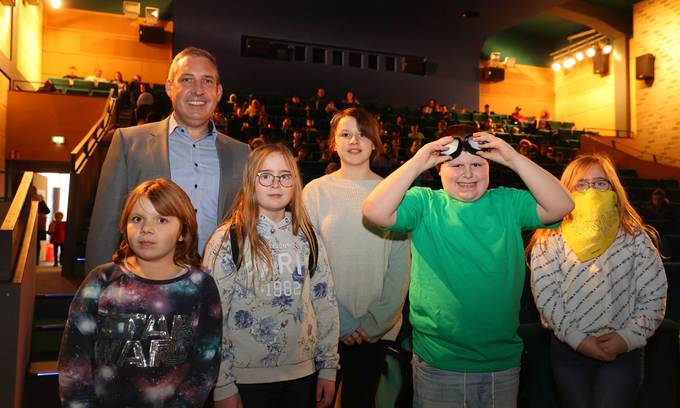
<point x="186" y="148"/>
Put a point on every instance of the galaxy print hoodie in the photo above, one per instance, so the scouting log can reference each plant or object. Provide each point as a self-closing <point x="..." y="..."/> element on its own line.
<point x="283" y="328"/>
<point x="134" y="342"/>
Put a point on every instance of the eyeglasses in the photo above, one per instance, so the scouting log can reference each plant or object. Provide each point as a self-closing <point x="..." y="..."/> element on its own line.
<point x="267" y="179"/>
<point x="599" y="184"/>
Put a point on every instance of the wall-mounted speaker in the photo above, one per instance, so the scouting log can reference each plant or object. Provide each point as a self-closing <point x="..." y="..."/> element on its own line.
<point x="644" y="67"/>
<point x="492" y="74"/>
<point x="151" y="34"/>
<point x="601" y="64"/>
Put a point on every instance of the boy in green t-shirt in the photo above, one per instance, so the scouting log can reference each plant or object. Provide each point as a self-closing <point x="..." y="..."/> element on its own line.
<point x="467" y="269"/>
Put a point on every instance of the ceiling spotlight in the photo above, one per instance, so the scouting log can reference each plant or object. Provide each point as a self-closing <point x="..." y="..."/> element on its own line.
<point x="569" y="62"/>
<point x="590" y="52"/>
<point x="579" y="56"/>
<point x="556" y="66"/>
<point x="55" y="3"/>
<point x="607" y="49"/>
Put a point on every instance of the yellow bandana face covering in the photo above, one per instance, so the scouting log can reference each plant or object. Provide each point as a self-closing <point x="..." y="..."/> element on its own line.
<point x="594" y="224"/>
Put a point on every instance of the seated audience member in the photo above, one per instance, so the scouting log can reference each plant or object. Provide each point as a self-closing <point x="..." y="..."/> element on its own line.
<point x="350" y="100"/>
<point x="559" y="158"/>
<point x="330" y="108"/>
<point x="97" y="76"/>
<point x="543" y="122"/>
<point x="296" y="102"/>
<point x="120" y="83"/>
<point x="145" y="96"/>
<point x="303" y="154"/>
<point x="318" y="101"/>
<point x="487" y="110"/>
<point x="415" y="146"/>
<point x="287" y="128"/>
<point x="134" y="89"/>
<point x="72" y="73"/>
<point x="516" y="117"/>
<point x="415" y="132"/>
<point x="298" y="140"/>
<point x="441" y="127"/>
<point x="401" y="126"/>
<point x="255" y="142"/>
<point x="47" y="87"/>
<point x="659" y="206"/>
<point x="488" y="125"/>
<point x="310" y="128"/>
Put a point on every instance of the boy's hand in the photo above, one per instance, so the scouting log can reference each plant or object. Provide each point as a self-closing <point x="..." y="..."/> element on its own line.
<point x="495" y="149"/>
<point x="612" y="343"/>
<point x="429" y="155"/>
<point x="324" y="392"/>
<point x="590" y="347"/>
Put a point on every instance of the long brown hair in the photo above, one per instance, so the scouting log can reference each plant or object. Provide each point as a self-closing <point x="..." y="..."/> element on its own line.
<point x="245" y="211"/>
<point x="629" y="218"/>
<point x="169" y="200"/>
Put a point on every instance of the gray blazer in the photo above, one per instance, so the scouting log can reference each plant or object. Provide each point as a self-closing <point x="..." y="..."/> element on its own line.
<point x="138" y="154"/>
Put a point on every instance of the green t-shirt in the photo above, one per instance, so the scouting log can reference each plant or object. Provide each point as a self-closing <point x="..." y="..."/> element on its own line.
<point x="467" y="276"/>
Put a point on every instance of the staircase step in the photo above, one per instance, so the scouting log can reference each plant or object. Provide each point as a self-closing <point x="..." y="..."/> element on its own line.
<point x="42" y="387"/>
<point x="52" y="306"/>
<point x="43" y="368"/>
<point x="45" y="343"/>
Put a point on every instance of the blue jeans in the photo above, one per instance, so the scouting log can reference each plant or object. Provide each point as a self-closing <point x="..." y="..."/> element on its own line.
<point x="435" y="388"/>
<point x="583" y="382"/>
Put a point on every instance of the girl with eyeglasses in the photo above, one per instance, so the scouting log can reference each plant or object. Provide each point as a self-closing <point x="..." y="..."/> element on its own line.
<point x="370" y="265"/>
<point x="280" y="316"/>
<point x="600" y="286"/>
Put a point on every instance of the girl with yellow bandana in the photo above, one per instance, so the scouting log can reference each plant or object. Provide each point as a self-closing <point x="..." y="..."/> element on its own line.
<point x="600" y="286"/>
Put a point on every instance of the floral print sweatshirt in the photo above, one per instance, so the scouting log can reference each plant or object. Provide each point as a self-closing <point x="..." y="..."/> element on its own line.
<point x="281" y="328"/>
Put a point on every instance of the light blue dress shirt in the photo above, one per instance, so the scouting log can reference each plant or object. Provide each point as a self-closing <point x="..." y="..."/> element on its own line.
<point x="195" y="166"/>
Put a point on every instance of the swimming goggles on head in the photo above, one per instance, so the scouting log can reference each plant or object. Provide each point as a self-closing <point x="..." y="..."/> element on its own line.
<point x="461" y="144"/>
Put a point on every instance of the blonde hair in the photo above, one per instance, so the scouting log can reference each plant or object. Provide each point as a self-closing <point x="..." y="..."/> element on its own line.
<point x="245" y="212"/>
<point x="629" y="218"/>
<point x="169" y="200"/>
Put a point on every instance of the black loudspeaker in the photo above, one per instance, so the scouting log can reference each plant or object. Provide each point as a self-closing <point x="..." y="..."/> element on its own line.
<point x="644" y="67"/>
<point x="414" y="65"/>
<point x="151" y="34"/>
<point x="601" y="64"/>
<point x="492" y="74"/>
<point x="255" y="47"/>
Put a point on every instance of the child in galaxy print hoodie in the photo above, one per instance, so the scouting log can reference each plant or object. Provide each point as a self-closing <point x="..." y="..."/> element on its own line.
<point x="280" y="329"/>
<point x="145" y="331"/>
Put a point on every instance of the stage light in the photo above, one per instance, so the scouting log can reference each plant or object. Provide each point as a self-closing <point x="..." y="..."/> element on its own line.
<point x="590" y="52"/>
<point x="556" y="66"/>
<point x="579" y="56"/>
<point x="607" y="49"/>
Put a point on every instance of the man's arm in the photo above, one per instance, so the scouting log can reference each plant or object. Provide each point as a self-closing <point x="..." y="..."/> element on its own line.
<point x="381" y="204"/>
<point x="103" y="236"/>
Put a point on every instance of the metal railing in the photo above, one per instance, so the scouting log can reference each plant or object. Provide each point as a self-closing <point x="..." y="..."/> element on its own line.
<point x="86" y="160"/>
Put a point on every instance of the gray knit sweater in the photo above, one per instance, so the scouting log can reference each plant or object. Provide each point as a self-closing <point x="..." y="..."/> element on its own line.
<point x="622" y="290"/>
